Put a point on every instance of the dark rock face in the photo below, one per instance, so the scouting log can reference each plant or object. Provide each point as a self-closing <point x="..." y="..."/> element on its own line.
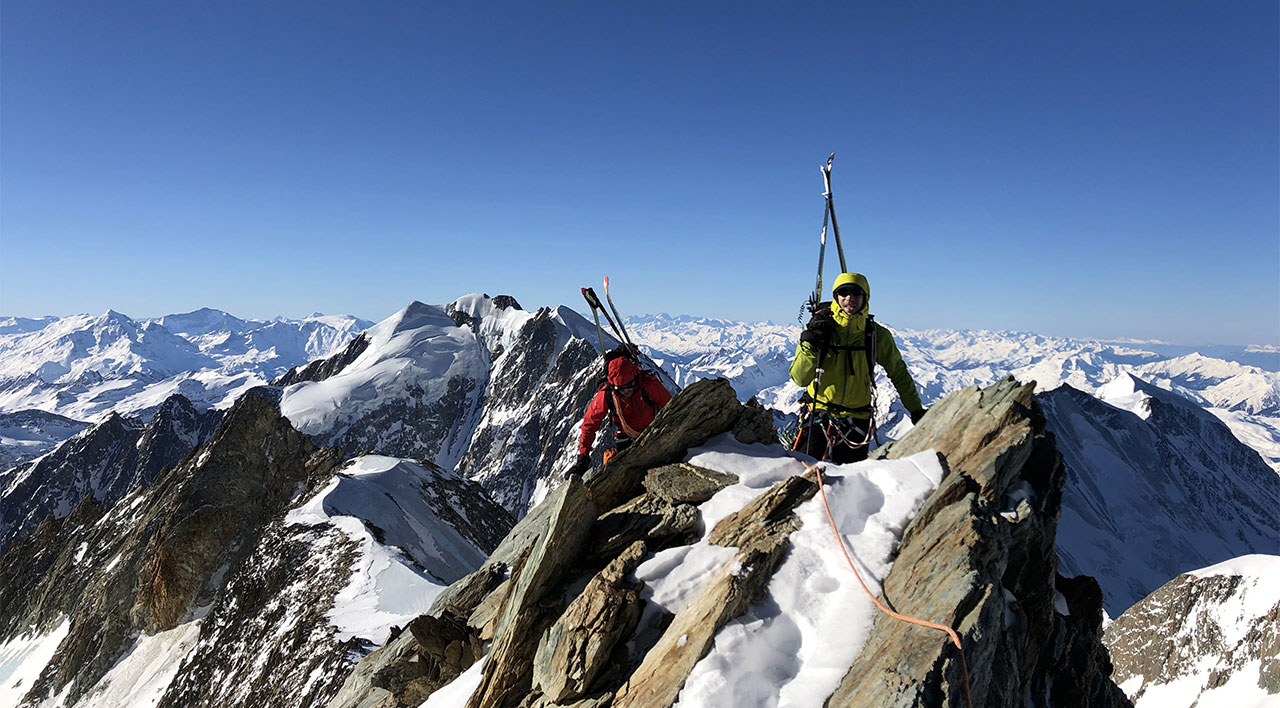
<point x="148" y="561"/>
<point x="305" y="660"/>
<point x="321" y="369"/>
<point x="1200" y="632"/>
<point x="541" y="386"/>
<point x="107" y="461"/>
<point x="990" y="578"/>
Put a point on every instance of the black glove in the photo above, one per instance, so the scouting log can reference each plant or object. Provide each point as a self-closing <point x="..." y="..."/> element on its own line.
<point x="917" y="415"/>
<point x="818" y="331"/>
<point x="581" y="466"/>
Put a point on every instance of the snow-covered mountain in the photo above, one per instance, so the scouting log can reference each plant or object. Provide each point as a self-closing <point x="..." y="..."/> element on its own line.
<point x="479" y="385"/>
<point x="84" y="367"/>
<point x="107" y="462"/>
<point x="1207" y="638"/>
<point x="258" y="567"/>
<point x="26" y="435"/>
<point x="255" y="572"/>
<point x="1156" y="487"/>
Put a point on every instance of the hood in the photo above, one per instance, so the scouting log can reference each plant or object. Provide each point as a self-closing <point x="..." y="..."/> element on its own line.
<point x="845" y="279"/>
<point x="621" y="371"/>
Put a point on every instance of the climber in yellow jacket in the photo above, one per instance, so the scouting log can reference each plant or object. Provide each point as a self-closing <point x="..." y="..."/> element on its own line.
<point x="836" y="419"/>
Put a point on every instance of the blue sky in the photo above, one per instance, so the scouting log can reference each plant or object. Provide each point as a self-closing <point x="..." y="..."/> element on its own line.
<point x="1107" y="169"/>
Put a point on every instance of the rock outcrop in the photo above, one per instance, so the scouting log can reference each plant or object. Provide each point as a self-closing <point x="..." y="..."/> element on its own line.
<point x="979" y="557"/>
<point x="558" y="603"/>
<point x="1215" y="631"/>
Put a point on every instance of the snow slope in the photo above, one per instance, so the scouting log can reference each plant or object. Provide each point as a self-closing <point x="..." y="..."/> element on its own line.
<point x="1156" y="487"/>
<point x="418" y="364"/>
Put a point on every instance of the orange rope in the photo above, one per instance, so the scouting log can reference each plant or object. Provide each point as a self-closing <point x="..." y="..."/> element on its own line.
<point x="955" y="638"/>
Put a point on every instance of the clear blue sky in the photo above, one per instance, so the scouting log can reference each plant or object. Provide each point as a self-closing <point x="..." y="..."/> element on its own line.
<point x="1105" y="169"/>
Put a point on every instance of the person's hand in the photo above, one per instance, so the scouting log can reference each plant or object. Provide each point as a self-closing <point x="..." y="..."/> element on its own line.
<point x="581" y="466"/>
<point x="917" y="415"/>
<point x="818" y="331"/>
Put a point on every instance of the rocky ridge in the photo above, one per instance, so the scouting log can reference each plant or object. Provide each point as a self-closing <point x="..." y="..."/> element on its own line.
<point x="553" y="617"/>
<point x="107" y="461"/>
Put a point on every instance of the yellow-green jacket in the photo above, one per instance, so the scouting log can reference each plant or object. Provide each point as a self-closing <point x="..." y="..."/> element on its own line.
<point x="846" y="382"/>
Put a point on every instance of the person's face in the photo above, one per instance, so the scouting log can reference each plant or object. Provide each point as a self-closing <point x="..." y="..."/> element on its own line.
<point x="849" y="300"/>
<point x="628" y="390"/>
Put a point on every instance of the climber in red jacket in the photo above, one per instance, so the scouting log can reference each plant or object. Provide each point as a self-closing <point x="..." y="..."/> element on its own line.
<point x="630" y="397"/>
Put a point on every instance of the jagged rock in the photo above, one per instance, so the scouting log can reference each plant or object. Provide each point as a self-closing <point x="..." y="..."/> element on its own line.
<point x="736" y="586"/>
<point x="462" y="597"/>
<point x="230" y="489"/>
<point x="108" y="461"/>
<point x="580" y="645"/>
<point x="147" y="564"/>
<point x="1200" y="632"/>
<point x="446" y="648"/>
<point x="683" y="483"/>
<point x="766" y="516"/>
<point x="703" y="410"/>
<point x="379" y="680"/>
<point x="957" y="560"/>
<point x="484" y="619"/>
<point x="644" y="518"/>
<point x="508" y="670"/>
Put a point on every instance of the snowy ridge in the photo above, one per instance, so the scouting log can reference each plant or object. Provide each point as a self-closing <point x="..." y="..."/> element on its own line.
<point x="416" y="553"/>
<point x="790" y="649"/>
<point x="418" y="356"/>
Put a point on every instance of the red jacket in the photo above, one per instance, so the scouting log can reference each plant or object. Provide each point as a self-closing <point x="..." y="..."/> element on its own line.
<point x="636" y="411"/>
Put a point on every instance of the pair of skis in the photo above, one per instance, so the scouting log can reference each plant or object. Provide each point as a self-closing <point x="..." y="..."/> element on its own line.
<point x="619" y="331"/>
<point x="828" y="217"/>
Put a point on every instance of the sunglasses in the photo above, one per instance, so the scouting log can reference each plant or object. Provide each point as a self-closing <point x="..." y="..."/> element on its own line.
<point x="849" y="292"/>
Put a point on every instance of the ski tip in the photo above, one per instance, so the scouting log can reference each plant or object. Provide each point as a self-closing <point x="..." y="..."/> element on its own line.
<point x="606" y="282"/>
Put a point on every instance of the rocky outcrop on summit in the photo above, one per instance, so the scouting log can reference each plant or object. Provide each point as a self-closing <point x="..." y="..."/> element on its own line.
<point x="559" y="604"/>
<point x="983" y="547"/>
<point x="1211" y="637"/>
<point x="106" y="461"/>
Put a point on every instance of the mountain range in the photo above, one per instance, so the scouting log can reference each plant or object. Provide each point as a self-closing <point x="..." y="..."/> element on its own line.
<point x="472" y="406"/>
